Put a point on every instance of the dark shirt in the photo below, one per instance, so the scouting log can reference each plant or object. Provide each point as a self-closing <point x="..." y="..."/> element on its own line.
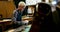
<point x="17" y="16"/>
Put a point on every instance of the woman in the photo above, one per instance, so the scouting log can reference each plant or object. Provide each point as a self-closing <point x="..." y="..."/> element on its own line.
<point x="43" y="21"/>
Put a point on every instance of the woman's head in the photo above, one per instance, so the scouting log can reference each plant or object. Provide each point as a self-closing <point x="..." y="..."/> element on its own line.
<point x="43" y="8"/>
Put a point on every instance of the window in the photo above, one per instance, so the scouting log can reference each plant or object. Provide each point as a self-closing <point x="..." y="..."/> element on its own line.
<point x="32" y="2"/>
<point x="54" y="2"/>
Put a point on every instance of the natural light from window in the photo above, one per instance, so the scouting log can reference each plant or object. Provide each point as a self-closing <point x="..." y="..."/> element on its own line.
<point x="32" y="2"/>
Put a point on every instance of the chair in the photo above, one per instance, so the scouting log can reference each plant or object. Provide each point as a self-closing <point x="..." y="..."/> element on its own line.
<point x="1" y="16"/>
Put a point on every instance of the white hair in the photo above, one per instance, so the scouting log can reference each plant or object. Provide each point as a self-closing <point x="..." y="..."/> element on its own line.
<point x="21" y="3"/>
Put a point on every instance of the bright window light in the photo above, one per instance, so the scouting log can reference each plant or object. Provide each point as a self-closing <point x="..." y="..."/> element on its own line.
<point x="54" y="2"/>
<point x="29" y="10"/>
<point x="32" y="2"/>
<point x="47" y="1"/>
<point x="37" y="1"/>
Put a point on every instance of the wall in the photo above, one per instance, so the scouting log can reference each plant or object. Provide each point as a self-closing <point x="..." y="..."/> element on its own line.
<point x="6" y="8"/>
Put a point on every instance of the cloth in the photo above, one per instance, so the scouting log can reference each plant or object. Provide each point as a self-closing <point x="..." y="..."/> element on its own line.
<point x="17" y="15"/>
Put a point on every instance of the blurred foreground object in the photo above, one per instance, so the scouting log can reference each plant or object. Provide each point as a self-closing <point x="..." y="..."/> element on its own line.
<point x="42" y="21"/>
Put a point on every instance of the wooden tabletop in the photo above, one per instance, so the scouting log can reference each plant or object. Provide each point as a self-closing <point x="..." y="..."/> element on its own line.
<point x="4" y="23"/>
<point x="28" y="18"/>
<point x="5" y="20"/>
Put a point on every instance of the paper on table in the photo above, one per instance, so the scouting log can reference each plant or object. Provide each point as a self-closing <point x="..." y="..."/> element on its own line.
<point x="7" y="20"/>
<point x="26" y="21"/>
<point x="12" y="30"/>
